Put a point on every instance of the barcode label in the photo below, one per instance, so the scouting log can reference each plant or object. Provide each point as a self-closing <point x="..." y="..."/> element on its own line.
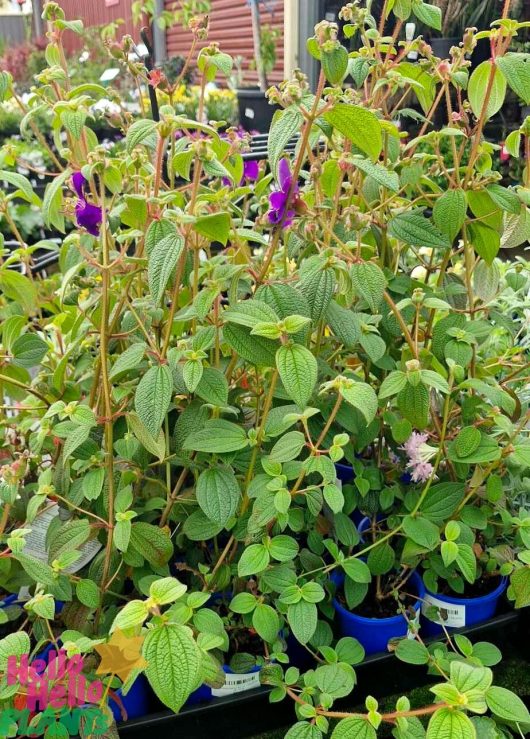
<point x="237" y="684"/>
<point x="449" y="614"/>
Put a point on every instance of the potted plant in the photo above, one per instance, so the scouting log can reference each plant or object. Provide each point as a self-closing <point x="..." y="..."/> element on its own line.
<point x="176" y="397"/>
<point x="255" y="111"/>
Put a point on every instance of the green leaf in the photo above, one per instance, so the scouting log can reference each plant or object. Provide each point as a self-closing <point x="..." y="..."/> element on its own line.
<point x="318" y="287"/>
<point x="254" y="349"/>
<point x="152" y="543"/>
<point x="283" y="548"/>
<point x="121" y="535"/>
<point x="266" y="622"/>
<point x="141" y="132"/>
<point x="369" y="282"/>
<point x="128" y="360"/>
<point x="303" y="730"/>
<point x="19" y="289"/>
<point x="302" y="618"/>
<point x="413" y="402"/>
<point x="358" y="125"/>
<point x="173" y="663"/>
<point x="478" y="84"/>
<point x="52" y="201"/>
<point x="516" y="69"/>
<point x="413" y="228"/>
<point x="253" y="560"/>
<point x="506" y="199"/>
<point x="449" y="212"/>
<point x="486" y="241"/>
<point x="520" y="584"/>
<point x="13" y="645"/>
<point x="243" y="603"/>
<point x="431" y="15"/>
<point x="506" y="705"/>
<point x="250" y="313"/>
<point x="162" y="262"/>
<point x="28" y="350"/>
<point x="357" y="570"/>
<point x="166" y="590"/>
<point x="198" y="527"/>
<point x="21" y="184"/>
<point x="422" y="532"/>
<point x="467" y="562"/>
<point x="70" y="536"/>
<point x="288" y="447"/>
<point x="412" y="652"/>
<point x="354" y="728"/>
<point x="362" y="397"/>
<point x="216" y="227"/>
<point x="78" y="436"/>
<point x="218" y="494"/>
<point x="192" y="373"/>
<point x="344" y="325"/>
<point x="157" y="447"/>
<point x="335" y="64"/>
<point x="217" y="437"/>
<point x="392" y="384"/>
<point x="285" y="124"/>
<point x="39" y="571"/>
<point x="88" y="593"/>
<point x="450" y="723"/>
<point x="467" y="441"/>
<point x="379" y="173"/>
<point x="213" y="387"/>
<point x="298" y="372"/>
<point x="488" y="450"/>
<point x="153" y="397"/>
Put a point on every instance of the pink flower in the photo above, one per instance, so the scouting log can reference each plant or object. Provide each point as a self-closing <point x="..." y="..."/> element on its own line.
<point x="419" y="454"/>
<point x="504" y="153"/>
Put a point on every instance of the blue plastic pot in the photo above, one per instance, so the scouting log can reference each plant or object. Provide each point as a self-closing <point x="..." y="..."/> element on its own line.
<point x="137" y="702"/>
<point x="461" y="611"/>
<point x="375" y="633"/>
<point x="205" y="693"/>
<point x="345" y="472"/>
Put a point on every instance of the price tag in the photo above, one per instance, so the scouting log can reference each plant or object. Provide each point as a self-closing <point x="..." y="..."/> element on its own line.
<point x="449" y="614"/>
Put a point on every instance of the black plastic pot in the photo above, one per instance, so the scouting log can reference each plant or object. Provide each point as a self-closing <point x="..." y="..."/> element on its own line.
<point x="255" y="112"/>
<point x="247" y="714"/>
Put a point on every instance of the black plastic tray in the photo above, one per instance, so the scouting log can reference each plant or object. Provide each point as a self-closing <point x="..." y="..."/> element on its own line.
<point x="246" y="714"/>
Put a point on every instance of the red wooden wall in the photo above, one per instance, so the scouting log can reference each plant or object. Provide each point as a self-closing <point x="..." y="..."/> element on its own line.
<point x="231" y="27"/>
<point x="95" y="13"/>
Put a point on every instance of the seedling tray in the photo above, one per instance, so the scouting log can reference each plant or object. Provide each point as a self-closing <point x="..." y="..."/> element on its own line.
<point x="250" y="713"/>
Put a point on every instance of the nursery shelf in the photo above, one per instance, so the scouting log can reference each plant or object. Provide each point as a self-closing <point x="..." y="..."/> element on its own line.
<point x="246" y="714"/>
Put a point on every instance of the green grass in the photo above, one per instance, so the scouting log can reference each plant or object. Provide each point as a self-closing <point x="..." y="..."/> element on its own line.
<point x="512" y="673"/>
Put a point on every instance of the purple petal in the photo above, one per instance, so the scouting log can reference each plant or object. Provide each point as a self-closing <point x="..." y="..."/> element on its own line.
<point x="88" y="216"/>
<point x="284" y="175"/>
<point x="288" y="218"/>
<point x="278" y="200"/>
<point x="251" y="170"/>
<point x="274" y="216"/>
<point x="79" y="182"/>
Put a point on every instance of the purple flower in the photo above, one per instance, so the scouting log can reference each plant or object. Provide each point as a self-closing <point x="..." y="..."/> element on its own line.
<point x="419" y="454"/>
<point x="87" y="215"/>
<point x="279" y="199"/>
<point x="250" y="173"/>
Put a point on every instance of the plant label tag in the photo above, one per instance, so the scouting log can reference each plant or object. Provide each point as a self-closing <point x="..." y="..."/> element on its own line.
<point x="237" y="684"/>
<point x="249" y="113"/>
<point x="36" y="540"/>
<point x="449" y="614"/>
<point x="411" y="633"/>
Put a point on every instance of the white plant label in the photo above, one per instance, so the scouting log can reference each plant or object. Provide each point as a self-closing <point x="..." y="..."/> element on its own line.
<point x="450" y="615"/>
<point x="36" y="541"/>
<point x="237" y="684"/>
<point x="249" y="113"/>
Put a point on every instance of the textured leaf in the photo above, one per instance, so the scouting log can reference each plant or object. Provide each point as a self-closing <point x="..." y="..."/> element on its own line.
<point x="128" y="360"/>
<point x="449" y="212"/>
<point x="298" y="372"/>
<point x="218" y="494"/>
<point x="477" y="86"/>
<point x="302" y="618"/>
<point x="450" y="723"/>
<point x="422" y="532"/>
<point x="253" y="560"/>
<point x="413" y="402"/>
<point x="354" y="728"/>
<point x="173" y="663"/>
<point x="153" y="397"/>
<point x="442" y="500"/>
<point x="157" y="447"/>
<point x="75" y="439"/>
<point x="162" y="262"/>
<point x="52" y="201"/>
<point x="28" y="350"/>
<point x="506" y="705"/>
<point x="152" y="543"/>
<point x="213" y="387"/>
<point x="284" y="126"/>
<point x="288" y="447"/>
<point x="379" y="173"/>
<point x="516" y="69"/>
<point x="217" y="436"/>
<point x="13" y="645"/>
<point x="215" y="227"/>
<point x="520" y="584"/>
<point x="363" y="397"/>
<point x="254" y="349"/>
<point x="369" y="281"/>
<point x="318" y="287"/>
<point x="141" y="132"/>
<point x="358" y="125"/>
<point x="343" y="324"/>
<point x="414" y="229"/>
